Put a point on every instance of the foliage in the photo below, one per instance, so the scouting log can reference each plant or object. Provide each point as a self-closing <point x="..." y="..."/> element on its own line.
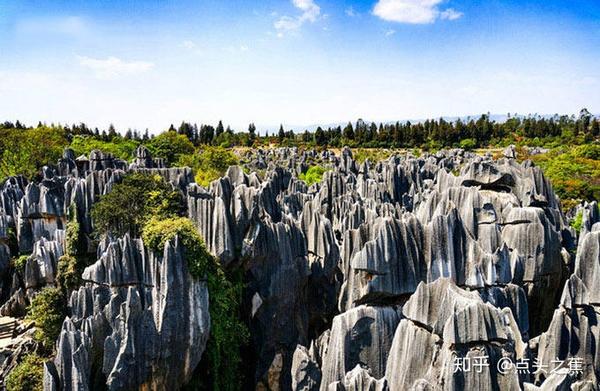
<point x="169" y="146"/>
<point x="468" y="144"/>
<point x="313" y="175"/>
<point x="119" y="147"/>
<point x="577" y="222"/>
<point x="47" y="310"/>
<point x="131" y="203"/>
<point x="28" y="375"/>
<point x="26" y="151"/>
<point x="75" y="239"/>
<point x="227" y="333"/>
<point x="573" y="175"/>
<point x="158" y="232"/>
<point x="68" y="275"/>
<point x="373" y="154"/>
<point x="19" y="263"/>
<point x="211" y="164"/>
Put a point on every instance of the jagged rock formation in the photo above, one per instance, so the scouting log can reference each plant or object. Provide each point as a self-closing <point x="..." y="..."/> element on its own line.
<point x="381" y="277"/>
<point x="142" y="313"/>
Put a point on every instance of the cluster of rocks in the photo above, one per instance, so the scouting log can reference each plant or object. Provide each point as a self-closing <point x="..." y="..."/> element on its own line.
<point x="383" y="276"/>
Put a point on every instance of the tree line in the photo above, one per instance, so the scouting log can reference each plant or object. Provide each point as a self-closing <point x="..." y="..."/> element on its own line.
<point x="432" y="133"/>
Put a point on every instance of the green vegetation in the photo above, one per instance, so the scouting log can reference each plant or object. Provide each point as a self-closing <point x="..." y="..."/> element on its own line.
<point x="68" y="275"/>
<point x="227" y="332"/>
<point x="210" y="164"/>
<point x="118" y="146"/>
<point x="131" y="203"/>
<point x="170" y="146"/>
<point x="313" y="175"/>
<point x="19" y="263"/>
<point x="25" y="151"/>
<point x="373" y="154"/>
<point x="577" y="222"/>
<point x="573" y="171"/>
<point x="47" y="310"/>
<point x="468" y="144"/>
<point x="28" y="375"/>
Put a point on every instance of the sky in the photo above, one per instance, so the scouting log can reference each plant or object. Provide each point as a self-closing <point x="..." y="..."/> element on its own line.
<point x="147" y="64"/>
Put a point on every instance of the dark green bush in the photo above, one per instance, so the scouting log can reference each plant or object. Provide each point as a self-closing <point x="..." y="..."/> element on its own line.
<point x="169" y="146"/>
<point x="68" y="275"/>
<point x="27" y="376"/>
<point x="130" y="204"/>
<point x="47" y="310"/>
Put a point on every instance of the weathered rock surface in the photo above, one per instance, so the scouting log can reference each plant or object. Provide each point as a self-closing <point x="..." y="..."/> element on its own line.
<point x="142" y="313"/>
<point x="378" y="277"/>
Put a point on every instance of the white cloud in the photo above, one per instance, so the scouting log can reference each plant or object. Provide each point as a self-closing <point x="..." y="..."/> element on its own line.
<point x="310" y="13"/>
<point x="451" y="14"/>
<point x="243" y="48"/>
<point x="390" y="32"/>
<point x="113" y="67"/>
<point x="413" y="11"/>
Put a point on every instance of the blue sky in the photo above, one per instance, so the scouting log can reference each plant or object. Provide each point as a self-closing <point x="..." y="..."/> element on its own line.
<point x="297" y="62"/>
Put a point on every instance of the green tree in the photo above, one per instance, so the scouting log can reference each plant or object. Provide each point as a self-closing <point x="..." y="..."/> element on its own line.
<point x="131" y="203"/>
<point x="169" y="146"/>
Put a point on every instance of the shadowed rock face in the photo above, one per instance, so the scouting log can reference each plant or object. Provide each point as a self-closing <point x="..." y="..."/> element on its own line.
<point x="379" y="277"/>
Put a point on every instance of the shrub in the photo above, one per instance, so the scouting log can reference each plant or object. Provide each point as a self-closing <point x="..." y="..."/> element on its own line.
<point x="468" y="144"/>
<point x="130" y="204"/>
<point x="212" y="163"/>
<point x="47" y="310"/>
<point x="169" y="146"/>
<point x="119" y="147"/>
<point x="227" y="332"/>
<point x="158" y="232"/>
<point x="313" y="175"/>
<point x="68" y="275"/>
<point x="27" y="375"/>
<point x="20" y="262"/>
<point x="577" y="222"/>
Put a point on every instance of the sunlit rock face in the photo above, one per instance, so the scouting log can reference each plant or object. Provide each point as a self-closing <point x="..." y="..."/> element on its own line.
<point x="382" y="276"/>
<point x="140" y="321"/>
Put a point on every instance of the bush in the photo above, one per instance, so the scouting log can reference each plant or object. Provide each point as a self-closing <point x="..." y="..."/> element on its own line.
<point x="20" y="262"/>
<point x="313" y="175"/>
<point x="47" y="310"/>
<point x="468" y="144"/>
<point x="131" y="203"/>
<point x="25" y="151"/>
<point x="119" y="147"/>
<point x="212" y="164"/>
<point x="227" y="332"/>
<point x="577" y="222"/>
<point x="158" y="232"/>
<point x="169" y="146"/>
<point x="27" y="376"/>
<point x="68" y="275"/>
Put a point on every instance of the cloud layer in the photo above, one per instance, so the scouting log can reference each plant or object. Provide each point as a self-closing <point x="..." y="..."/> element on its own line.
<point x="310" y="13"/>
<point x="113" y="67"/>
<point x="413" y="11"/>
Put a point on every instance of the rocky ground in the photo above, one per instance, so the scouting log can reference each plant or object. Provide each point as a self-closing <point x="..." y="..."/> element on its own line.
<point x="449" y="271"/>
